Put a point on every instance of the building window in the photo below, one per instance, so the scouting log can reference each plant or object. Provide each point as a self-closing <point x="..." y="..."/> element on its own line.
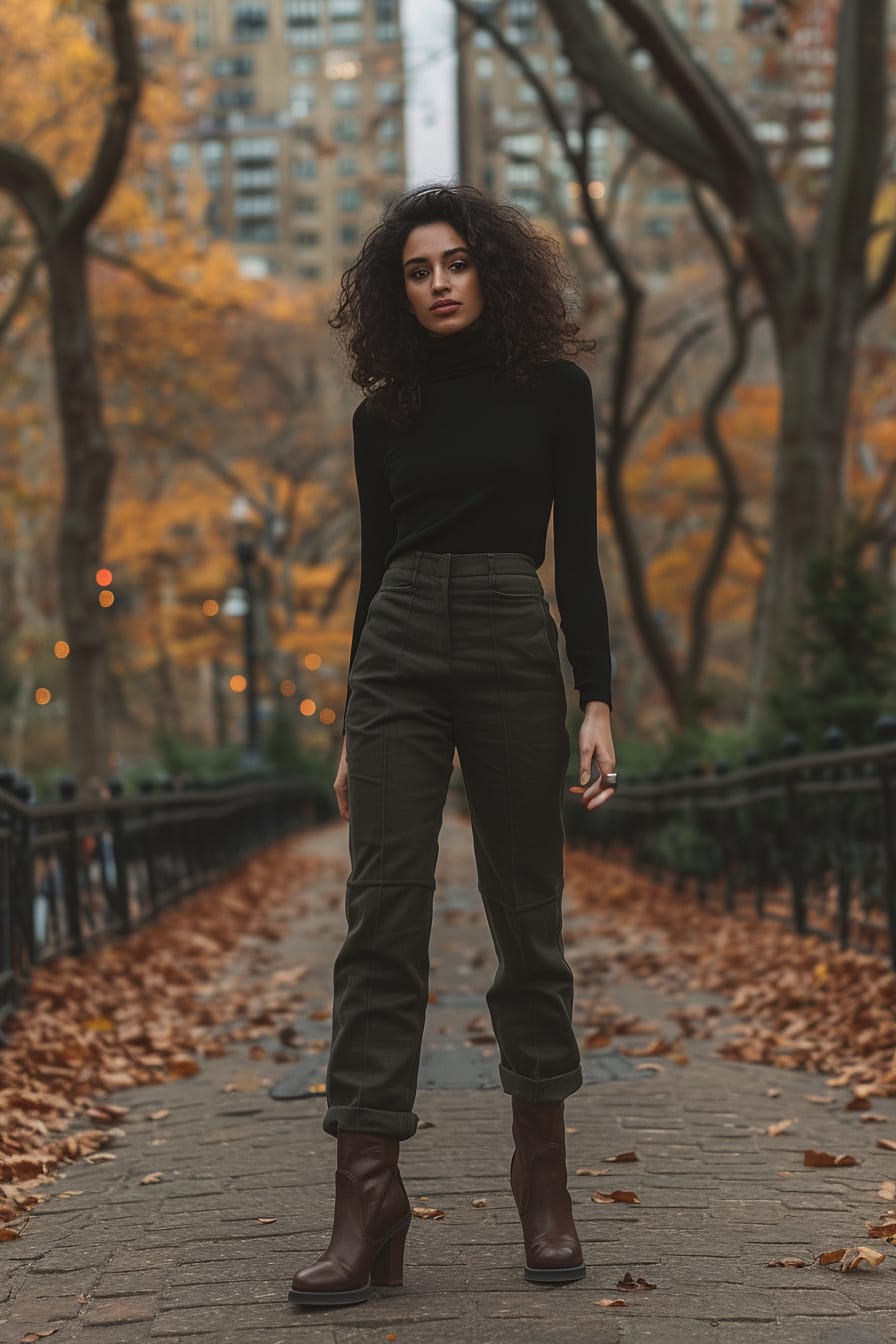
<point x="202" y="28"/>
<point x="522" y="23"/>
<point x="348" y="233"/>
<point x="350" y="199"/>
<point x="389" y="128"/>
<point x="346" y="9"/>
<point x="346" y="33"/>
<point x="180" y="154"/>
<point x="308" y="271"/>
<point x="304" y="65"/>
<point x="302" y="99"/>
<point x="255" y="179"/>
<point x="212" y="151"/>
<point x="256" y="231"/>
<point x="347" y="166"/>
<point x="386" y="21"/>
<point x="390" y="161"/>
<point x="346" y="93"/>
<point x="254" y="149"/>
<point x="229" y="99"/>
<point x="388" y="92"/>
<point x="305" y="168"/>
<point x="308" y="238"/>
<point x="233" y="67"/>
<point x="250" y="20"/>
<point x="256" y="206"/>
<point x="306" y="205"/>
<point x="485" y="67"/>
<point x="303" y="23"/>
<point x="347" y="130"/>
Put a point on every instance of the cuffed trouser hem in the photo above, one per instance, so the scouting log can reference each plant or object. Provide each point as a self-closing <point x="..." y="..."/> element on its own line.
<point x="557" y="1088"/>
<point x="390" y="1124"/>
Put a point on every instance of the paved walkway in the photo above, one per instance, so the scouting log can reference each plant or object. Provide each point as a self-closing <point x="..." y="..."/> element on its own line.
<point x="245" y="1192"/>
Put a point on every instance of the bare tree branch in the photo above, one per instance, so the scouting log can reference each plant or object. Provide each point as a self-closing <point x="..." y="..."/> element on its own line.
<point x="81" y="209"/>
<point x="20" y="294"/>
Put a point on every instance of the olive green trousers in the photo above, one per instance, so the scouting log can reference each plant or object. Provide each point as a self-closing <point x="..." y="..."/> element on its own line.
<point x="457" y="651"/>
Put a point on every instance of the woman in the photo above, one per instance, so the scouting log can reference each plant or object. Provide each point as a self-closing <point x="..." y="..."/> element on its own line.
<point x="473" y="426"/>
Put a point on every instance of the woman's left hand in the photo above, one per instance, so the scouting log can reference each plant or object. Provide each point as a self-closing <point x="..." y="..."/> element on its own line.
<point x="595" y="745"/>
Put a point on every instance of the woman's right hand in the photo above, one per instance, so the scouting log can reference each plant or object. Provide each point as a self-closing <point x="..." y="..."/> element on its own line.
<point x="340" y="784"/>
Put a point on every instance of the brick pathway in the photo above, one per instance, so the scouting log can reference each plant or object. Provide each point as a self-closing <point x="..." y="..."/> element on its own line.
<point x="193" y="1257"/>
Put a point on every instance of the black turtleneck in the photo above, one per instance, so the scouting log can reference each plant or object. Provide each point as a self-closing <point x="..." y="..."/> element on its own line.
<point x="479" y="471"/>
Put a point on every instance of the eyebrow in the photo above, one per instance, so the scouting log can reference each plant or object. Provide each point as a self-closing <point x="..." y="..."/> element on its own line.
<point x="449" y="251"/>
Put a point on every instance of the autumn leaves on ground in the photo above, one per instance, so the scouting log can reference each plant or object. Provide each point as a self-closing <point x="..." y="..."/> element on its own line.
<point x="157" y="1004"/>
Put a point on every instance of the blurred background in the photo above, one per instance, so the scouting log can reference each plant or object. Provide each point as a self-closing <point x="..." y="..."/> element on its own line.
<point x="182" y="187"/>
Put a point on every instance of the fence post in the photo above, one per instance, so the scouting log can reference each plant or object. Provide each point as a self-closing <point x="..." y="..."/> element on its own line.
<point x="792" y="746"/>
<point x="833" y="740"/>
<point x="886" y="732"/>
<point x="71" y="865"/>
<point x="118" y="891"/>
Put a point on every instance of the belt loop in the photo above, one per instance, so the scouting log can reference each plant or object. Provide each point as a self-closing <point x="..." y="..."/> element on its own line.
<point x="418" y="557"/>
<point x="491" y="570"/>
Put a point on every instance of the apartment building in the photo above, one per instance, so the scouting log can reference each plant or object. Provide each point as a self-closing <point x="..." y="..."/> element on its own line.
<point x="505" y="145"/>
<point x="301" y="135"/>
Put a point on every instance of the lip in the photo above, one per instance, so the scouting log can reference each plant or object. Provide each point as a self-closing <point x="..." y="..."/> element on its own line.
<point x="444" y="305"/>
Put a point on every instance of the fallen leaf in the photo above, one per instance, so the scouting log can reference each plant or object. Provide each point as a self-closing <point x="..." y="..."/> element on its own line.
<point x="420" y="1211"/>
<point x="623" y="1157"/>
<point x="634" y="1285"/>
<point x="873" y="1118"/>
<point x="479" y="1203"/>
<point x="265" y="1220"/>
<point x="152" y="1179"/>
<point x="787" y="1262"/>
<point x="887" y="1190"/>
<point x="592" y="1171"/>
<point x="8" y="1234"/>
<point x="821" y="1101"/>
<point x="649" y="1066"/>
<point x="876" y="1230"/>
<point x="571" y="1129"/>
<point x="33" y="1336"/>
<point x="773" y="1091"/>
<point x="779" y="1126"/>
<point x="69" y="1194"/>
<point x="159" y="1115"/>
<point x="813" y="1158"/>
<point x="318" y="1089"/>
<point x="611" y="1302"/>
<point x="614" y="1197"/>
<point x="853" y="1257"/>
<point x="889" y="1145"/>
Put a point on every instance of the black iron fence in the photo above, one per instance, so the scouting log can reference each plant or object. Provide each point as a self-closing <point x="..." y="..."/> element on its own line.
<point x="810" y="839"/>
<point x="77" y="871"/>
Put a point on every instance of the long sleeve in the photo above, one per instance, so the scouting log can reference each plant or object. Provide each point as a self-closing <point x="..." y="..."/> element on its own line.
<point x="580" y="591"/>
<point x="377" y="523"/>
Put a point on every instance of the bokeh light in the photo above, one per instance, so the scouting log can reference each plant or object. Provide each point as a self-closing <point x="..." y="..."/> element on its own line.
<point x="61" y="649"/>
<point x="328" y="716"/>
<point x="287" y="688"/>
<point x="313" y="661"/>
<point x="106" y="598"/>
<point x="307" y="707"/>
<point x="238" y="683"/>
<point x="104" y="577"/>
<point x="210" y="607"/>
<point x="42" y="695"/>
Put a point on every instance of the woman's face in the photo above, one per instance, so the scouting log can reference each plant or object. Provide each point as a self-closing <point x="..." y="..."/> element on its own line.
<point x="438" y="266"/>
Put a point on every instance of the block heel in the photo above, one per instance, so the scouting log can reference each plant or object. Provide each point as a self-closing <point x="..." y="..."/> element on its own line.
<point x="387" y="1270"/>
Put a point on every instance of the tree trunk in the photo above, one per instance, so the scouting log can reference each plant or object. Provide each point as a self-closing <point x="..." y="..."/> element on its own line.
<point x="88" y="463"/>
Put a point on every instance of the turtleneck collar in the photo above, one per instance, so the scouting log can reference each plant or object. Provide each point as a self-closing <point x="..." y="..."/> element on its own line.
<point x="457" y="353"/>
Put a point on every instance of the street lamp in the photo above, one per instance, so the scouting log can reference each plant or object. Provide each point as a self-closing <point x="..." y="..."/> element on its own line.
<point x="241" y="602"/>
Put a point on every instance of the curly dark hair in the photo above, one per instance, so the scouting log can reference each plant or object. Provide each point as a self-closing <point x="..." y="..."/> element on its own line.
<point x="525" y="283"/>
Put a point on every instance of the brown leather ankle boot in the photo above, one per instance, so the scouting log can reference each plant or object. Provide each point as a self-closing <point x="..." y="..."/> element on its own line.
<point x="370" y="1224"/>
<point x="538" y="1182"/>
